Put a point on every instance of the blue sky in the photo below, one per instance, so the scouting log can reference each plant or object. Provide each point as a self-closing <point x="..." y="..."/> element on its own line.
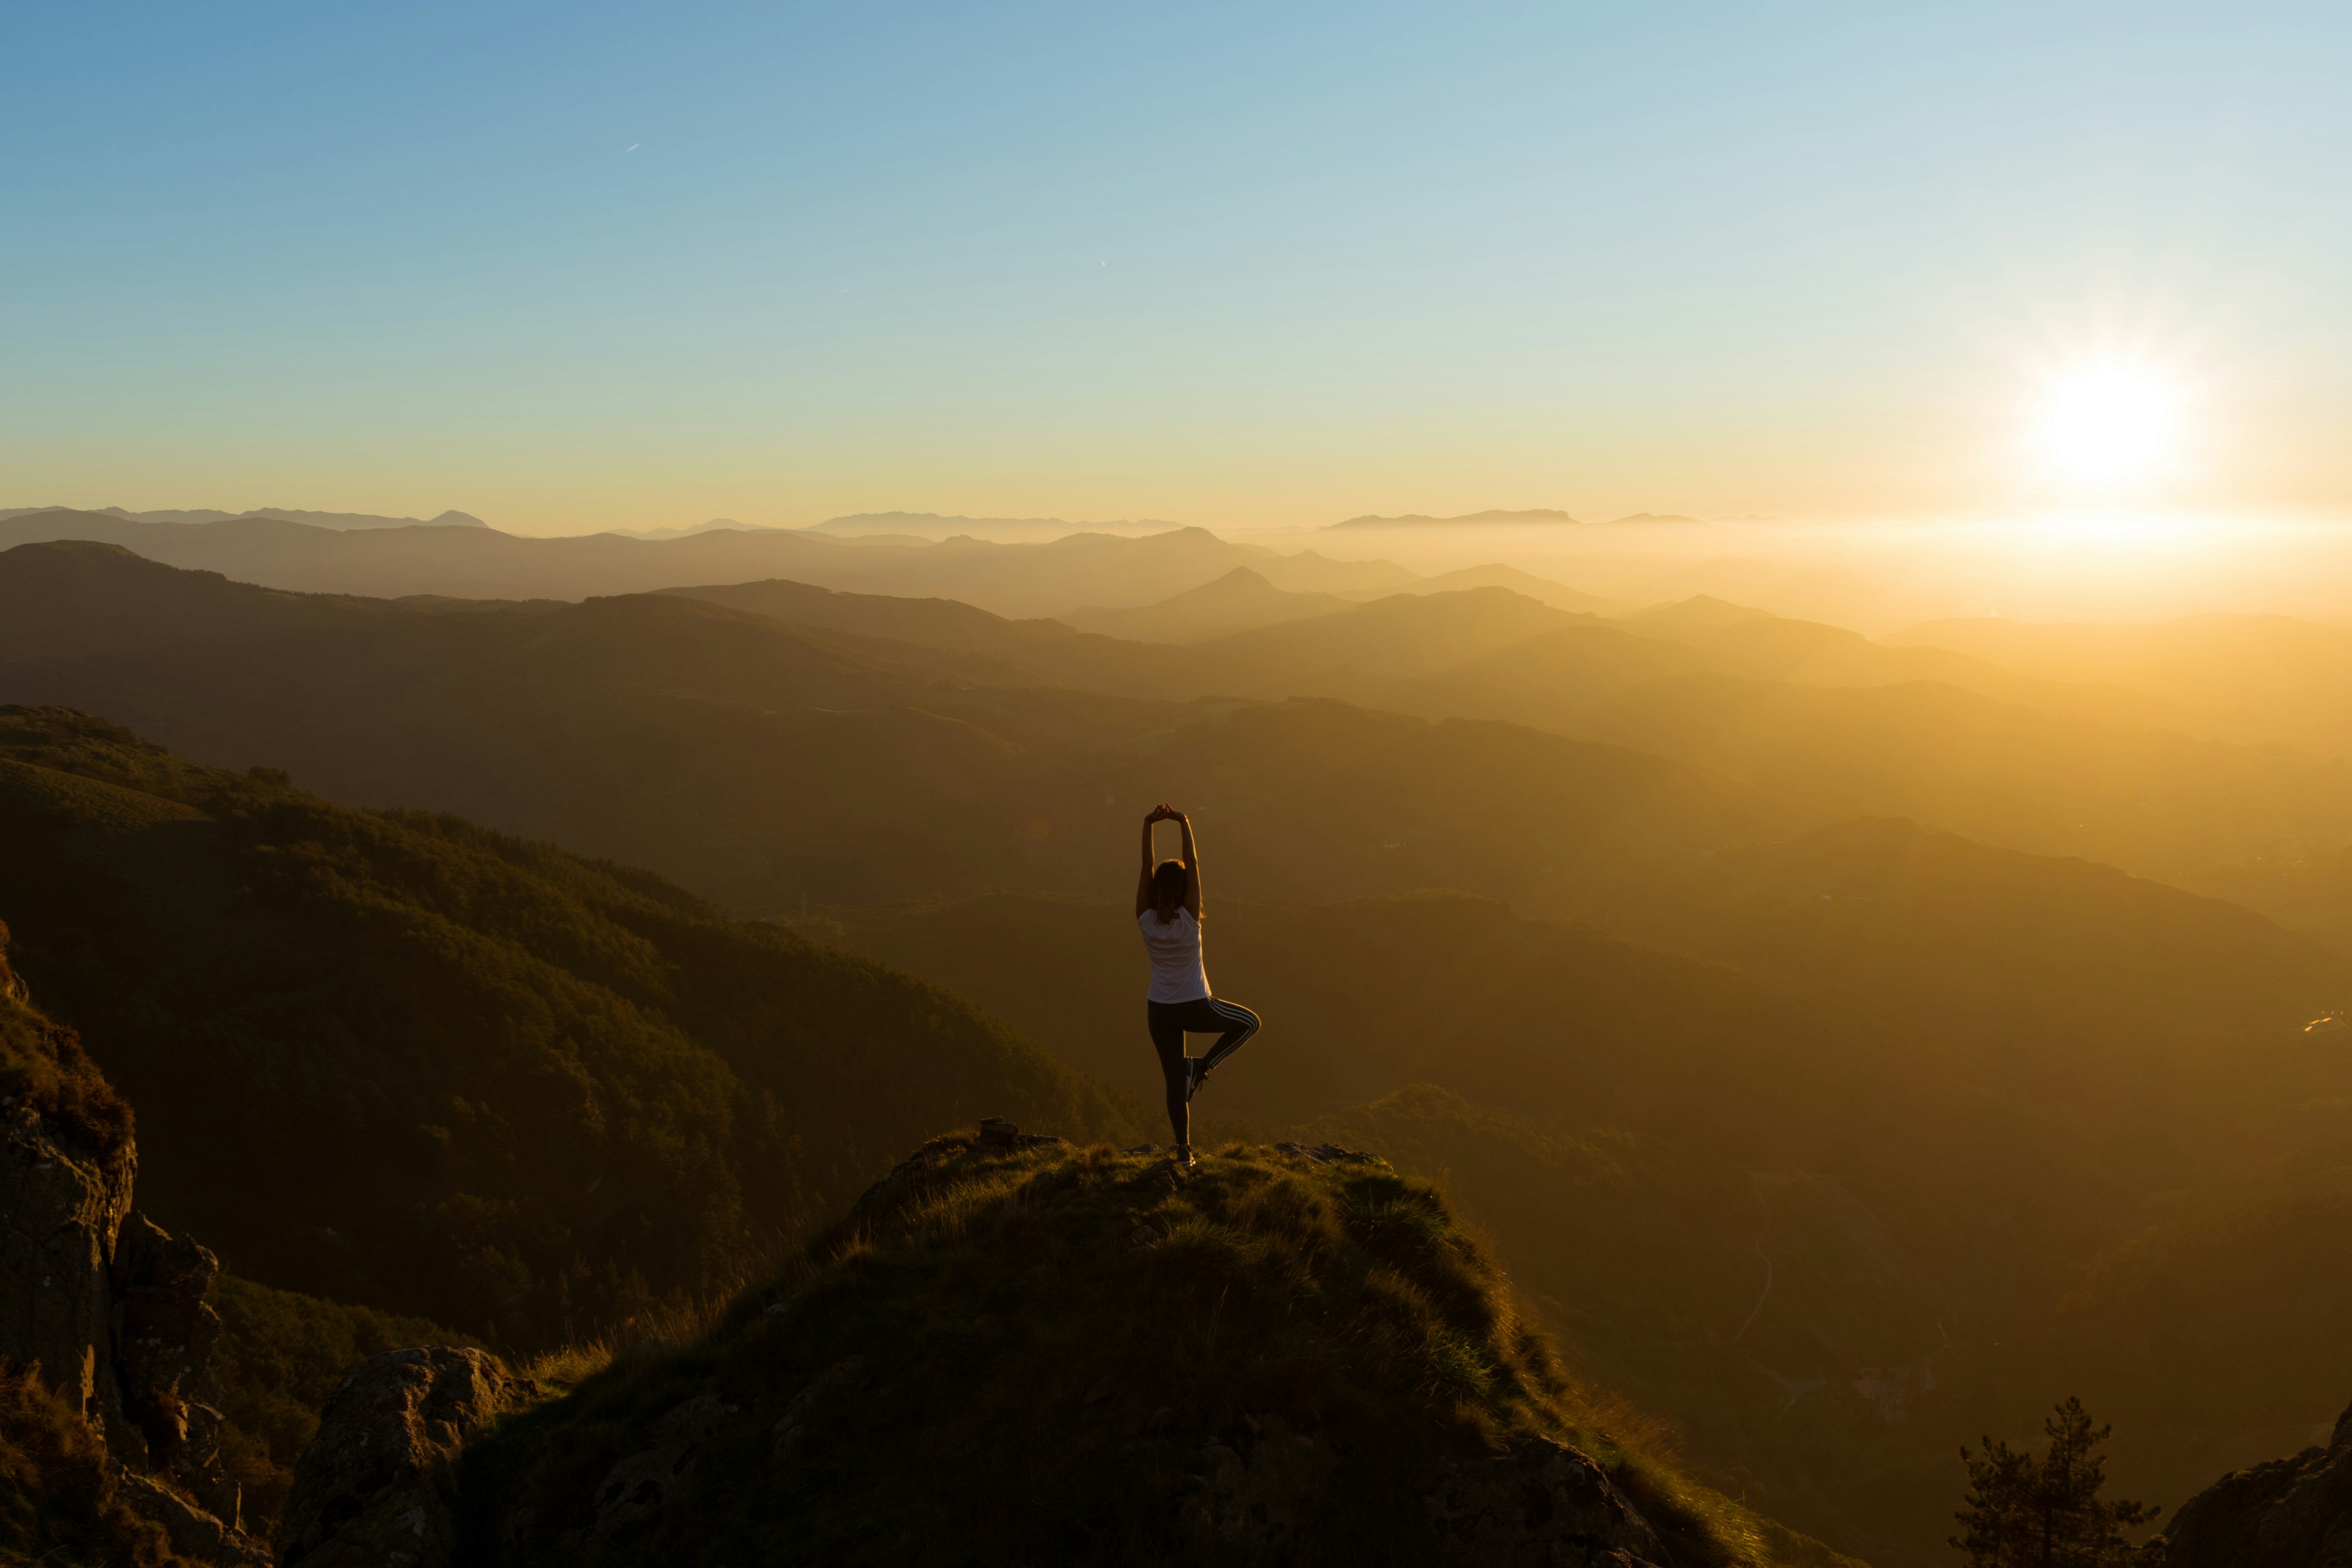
<point x="597" y="265"/>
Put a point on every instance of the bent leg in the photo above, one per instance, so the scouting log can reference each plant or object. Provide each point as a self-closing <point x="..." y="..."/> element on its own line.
<point x="1167" y="1024"/>
<point x="1238" y="1024"/>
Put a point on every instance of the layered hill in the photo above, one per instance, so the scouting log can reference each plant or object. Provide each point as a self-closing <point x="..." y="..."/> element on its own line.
<point x="957" y="743"/>
<point x="2235" y="678"/>
<point x="1241" y="600"/>
<point x="473" y="562"/>
<point x="335" y="520"/>
<point x="764" y="762"/>
<point x="2154" y="801"/>
<point x="400" y="1059"/>
<point x="1496" y="575"/>
<point x="1532" y="516"/>
<point x="1037" y="652"/>
<point x="1401" y="636"/>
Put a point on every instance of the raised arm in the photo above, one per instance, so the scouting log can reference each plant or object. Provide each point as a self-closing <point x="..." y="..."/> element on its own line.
<point x="1192" y="865"/>
<point x="1144" y="878"/>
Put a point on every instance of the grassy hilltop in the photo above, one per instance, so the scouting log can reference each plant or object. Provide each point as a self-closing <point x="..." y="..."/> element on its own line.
<point x="1075" y="1355"/>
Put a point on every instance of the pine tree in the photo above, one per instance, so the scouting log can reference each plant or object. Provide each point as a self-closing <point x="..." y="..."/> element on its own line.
<point x="2022" y="1514"/>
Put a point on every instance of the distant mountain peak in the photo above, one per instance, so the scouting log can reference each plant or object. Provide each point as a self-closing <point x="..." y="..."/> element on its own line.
<point x="1699" y="610"/>
<point x="1537" y="515"/>
<point x="1648" y="517"/>
<point x="341" y="521"/>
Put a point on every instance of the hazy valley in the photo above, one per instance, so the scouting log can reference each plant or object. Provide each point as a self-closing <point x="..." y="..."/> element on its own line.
<point x="1846" y="1046"/>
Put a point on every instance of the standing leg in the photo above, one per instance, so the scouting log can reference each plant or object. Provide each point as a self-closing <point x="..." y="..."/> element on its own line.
<point x="1167" y="1024"/>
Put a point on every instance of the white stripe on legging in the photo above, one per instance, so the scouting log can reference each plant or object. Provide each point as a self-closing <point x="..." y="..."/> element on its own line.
<point x="1240" y="1017"/>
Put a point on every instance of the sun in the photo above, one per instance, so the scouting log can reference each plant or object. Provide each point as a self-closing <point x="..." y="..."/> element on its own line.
<point x="2112" y="424"/>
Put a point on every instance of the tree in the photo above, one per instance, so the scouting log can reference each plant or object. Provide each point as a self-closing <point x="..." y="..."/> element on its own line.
<point x="2022" y="1514"/>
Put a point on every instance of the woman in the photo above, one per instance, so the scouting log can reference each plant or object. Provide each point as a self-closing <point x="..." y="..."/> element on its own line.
<point x="1168" y="908"/>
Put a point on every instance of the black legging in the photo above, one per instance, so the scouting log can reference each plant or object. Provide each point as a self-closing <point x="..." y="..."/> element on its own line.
<point x="1169" y="1021"/>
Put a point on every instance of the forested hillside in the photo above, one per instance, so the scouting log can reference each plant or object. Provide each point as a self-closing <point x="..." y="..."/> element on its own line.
<point x="399" y="1059"/>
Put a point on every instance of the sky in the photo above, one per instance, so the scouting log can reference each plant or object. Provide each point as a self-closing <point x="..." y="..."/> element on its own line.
<point x="570" y="266"/>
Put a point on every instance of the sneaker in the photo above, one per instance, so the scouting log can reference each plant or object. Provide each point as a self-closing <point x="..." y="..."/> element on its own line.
<point x="1184" y="1156"/>
<point x="1196" y="1073"/>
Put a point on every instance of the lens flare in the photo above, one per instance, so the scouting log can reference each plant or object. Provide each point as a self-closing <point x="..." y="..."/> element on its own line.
<point x="2109" y="424"/>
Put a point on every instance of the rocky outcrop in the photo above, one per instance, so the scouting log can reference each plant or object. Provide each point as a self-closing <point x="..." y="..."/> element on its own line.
<point x="1259" y="1499"/>
<point x="377" y="1485"/>
<point x="62" y="1204"/>
<point x="112" y="1309"/>
<point x="193" y="1531"/>
<point x="638" y="1486"/>
<point x="1543" y="1505"/>
<point x="163" y="1331"/>
<point x="2283" y="1513"/>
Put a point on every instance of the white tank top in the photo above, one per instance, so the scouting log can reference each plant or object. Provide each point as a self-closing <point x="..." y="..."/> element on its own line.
<point x="1176" y="975"/>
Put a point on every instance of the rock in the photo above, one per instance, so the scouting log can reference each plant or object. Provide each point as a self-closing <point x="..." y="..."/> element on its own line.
<point x="2282" y="1513"/>
<point x="842" y="1377"/>
<point x="1257" y="1501"/>
<point x="164" y="1334"/>
<point x="193" y="1531"/>
<point x="112" y="1308"/>
<point x="62" y="1204"/>
<point x="376" y="1486"/>
<point x="1542" y="1505"/>
<point x="638" y="1486"/>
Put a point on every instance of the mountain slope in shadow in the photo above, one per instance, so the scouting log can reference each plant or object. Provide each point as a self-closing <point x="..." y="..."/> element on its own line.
<point x="398" y="1059"/>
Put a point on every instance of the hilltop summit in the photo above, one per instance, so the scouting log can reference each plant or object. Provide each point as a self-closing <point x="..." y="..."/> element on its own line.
<point x="1015" y="1349"/>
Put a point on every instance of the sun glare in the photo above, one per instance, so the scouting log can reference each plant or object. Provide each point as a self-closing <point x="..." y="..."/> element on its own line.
<point x="2111" y="424"/>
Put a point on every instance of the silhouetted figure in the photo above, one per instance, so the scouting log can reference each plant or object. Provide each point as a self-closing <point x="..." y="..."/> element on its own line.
<point x="1167" y="909"/>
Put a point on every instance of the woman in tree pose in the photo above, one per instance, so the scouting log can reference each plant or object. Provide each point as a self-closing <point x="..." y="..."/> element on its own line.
<point x="1168" y="908"/>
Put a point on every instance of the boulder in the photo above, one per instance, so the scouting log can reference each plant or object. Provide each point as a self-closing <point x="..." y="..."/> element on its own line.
<point x="1260" y="1500"/>
<point x="638" y="1486"/>
<point x="1541" y="1505"/>
<point x="791" y="1431"/>
<point x="2283" y="1513"/>
<point x="377" y="1485"/>
<point x="164" y="1333"/>
<point x="193" y="1531"/>
<point x="111" y="1306"/>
